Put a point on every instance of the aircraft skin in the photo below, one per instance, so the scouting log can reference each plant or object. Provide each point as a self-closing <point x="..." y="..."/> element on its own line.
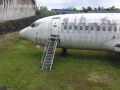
<point x="95" y="31"/>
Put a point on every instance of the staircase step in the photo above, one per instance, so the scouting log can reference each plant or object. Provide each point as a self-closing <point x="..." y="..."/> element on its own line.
<point x="48" y="59"/>
<point x="47" y="64"/>
<point x="51" y="48"/>
<point x="52" y="41"/>
<point x="49" y="56"/>
<point x="52" y="45"/>
<point x="50" y="51"/>
<point x="46" y="68"/>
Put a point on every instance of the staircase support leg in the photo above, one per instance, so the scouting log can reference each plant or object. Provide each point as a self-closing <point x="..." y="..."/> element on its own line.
<point x="64" y="52"/>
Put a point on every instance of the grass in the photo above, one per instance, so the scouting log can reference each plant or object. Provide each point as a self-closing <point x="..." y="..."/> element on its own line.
<point x="81" y="70"/>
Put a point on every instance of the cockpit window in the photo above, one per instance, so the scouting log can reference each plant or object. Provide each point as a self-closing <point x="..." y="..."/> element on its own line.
<point x="34" y="25"/>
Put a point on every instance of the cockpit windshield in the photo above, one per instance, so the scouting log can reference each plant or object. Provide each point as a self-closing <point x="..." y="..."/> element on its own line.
<point x="34" y="25"/>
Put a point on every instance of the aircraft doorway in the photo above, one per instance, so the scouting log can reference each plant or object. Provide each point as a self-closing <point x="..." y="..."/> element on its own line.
<point x="55" y="26"/>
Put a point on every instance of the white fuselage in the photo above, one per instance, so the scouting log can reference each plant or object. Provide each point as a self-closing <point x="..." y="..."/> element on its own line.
<point x="97" y="31"/>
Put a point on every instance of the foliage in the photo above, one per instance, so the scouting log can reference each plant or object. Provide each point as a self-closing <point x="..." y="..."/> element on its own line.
<point x="113" y="8"/>
<point x="43" y="8"/>
<point x="72" y="8"/>
<point x="43" y="11"/>
<point x="33" y="1"/>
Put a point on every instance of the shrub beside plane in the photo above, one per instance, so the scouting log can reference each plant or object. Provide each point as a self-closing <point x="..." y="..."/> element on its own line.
<point x="90" y="31"/>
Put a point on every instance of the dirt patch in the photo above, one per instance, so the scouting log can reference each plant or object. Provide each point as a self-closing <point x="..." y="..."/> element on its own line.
<point x="8" y="39"/>
<point x="3" y="87"/>
<point x="98" y="77"/>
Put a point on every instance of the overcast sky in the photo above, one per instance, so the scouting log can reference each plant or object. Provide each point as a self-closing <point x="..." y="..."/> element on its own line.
<point x="53" y="4"/>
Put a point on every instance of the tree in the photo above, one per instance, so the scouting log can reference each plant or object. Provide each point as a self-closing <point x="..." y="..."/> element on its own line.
<point x="112" y="8"/>
<point x="73" y="8"/>
<point x="95" y="9"/>
<point x="84" y="9"/>
<point x="89" y="8"/>
<point x="99" y="8"/>
<point x="43" y="8"/>
<point x="33" y="1"/>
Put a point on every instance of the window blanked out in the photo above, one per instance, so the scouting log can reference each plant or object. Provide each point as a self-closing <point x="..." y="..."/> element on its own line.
<point x="75" y="27"/>
<point x="70" y="27"/>
<point x="86" y="27"/>
<point x="98" y="28"/>
<point x="110" y="28"/>
<point x="92" y="27"/>
<point x="81" y="27"/>
<point x="115" y="28"/>
<point x="65" y="27"/>
<point x="103" y="28"/>
<point x="34" y="25"/>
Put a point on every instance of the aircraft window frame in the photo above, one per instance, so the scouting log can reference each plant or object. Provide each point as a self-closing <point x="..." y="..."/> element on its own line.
<point x="115" y="28"/>
<point x="70" y="27"/>
<point x="75" y="27"/>
<point x="109" y="28"/>
<point x="92" y="28"/>
<point x="81" y="27"/>
<point x="103" y="28"/>
<point x="86" y="27"/>
<point x="33" y="25"/>
<point x="55" y="25"/>
<point x="98" y="28"/>
<point x="65" y="27"/>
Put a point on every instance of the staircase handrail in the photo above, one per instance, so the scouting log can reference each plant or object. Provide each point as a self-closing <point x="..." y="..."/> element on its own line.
<point x="45" y="49"/>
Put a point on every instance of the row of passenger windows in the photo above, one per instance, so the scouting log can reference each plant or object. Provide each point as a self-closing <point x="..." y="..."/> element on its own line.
<point x="98" y="28"/>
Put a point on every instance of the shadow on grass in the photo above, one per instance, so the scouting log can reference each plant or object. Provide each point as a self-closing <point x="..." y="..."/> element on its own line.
<point x="110" y="57"/>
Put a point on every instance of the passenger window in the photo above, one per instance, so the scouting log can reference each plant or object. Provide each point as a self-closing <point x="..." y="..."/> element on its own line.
<point x="75" y="27"/>
<point x="109" y="28"/>
<point x="81" y="27"/>
<point x="70" y="27"/>
<point x="92" y="27"/>
<point x="103" y="28"/>
<point x="65" y="27"/>
<point x="86" y="28"/>
<point x="115" y="28"/>
<point x="54" y="25"/>
<point x="98" y="28"/>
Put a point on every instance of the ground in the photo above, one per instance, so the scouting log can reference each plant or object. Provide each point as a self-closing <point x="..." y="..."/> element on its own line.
<point x="20" y="68"/>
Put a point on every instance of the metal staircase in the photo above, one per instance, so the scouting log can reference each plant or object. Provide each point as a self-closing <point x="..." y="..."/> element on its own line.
<point x="49" y="53"/>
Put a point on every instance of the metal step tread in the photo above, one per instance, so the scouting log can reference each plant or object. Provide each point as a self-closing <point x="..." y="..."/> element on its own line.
<point x="50" y="52"/>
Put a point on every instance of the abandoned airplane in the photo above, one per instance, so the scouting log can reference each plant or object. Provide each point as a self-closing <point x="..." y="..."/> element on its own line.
<point x="95" y="31"/>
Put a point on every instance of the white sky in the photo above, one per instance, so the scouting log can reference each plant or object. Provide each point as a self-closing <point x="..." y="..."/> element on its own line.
<point x="54" y="4"/>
